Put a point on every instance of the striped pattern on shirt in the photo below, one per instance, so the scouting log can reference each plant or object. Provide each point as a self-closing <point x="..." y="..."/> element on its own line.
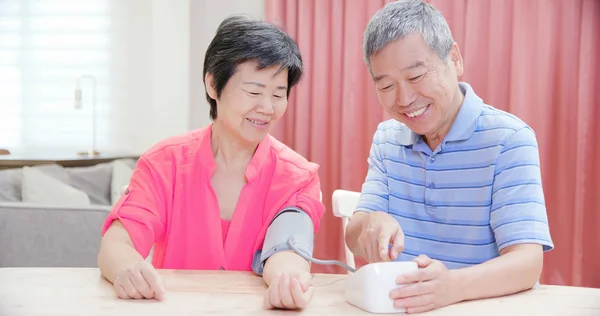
<point x="477" y="193"/>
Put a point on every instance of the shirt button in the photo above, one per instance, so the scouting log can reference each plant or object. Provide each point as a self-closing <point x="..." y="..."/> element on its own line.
<point x="432" y="185"/>
<point x="432" y="159"/>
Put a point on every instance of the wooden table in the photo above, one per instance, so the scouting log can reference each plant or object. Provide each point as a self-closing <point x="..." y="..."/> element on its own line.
<point x="76" y="291"/>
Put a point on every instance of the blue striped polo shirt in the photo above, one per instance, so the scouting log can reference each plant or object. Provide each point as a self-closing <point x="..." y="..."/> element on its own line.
<point x="478" y="192"/>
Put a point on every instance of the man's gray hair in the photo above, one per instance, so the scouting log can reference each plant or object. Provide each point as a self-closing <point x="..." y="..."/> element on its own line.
<point x="401" y="18"/>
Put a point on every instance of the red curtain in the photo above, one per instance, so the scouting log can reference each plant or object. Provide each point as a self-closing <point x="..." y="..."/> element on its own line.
<point x="537" y="59"/>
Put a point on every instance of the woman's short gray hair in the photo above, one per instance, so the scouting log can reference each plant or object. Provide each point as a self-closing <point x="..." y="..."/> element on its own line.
<point x="401" y="18"/>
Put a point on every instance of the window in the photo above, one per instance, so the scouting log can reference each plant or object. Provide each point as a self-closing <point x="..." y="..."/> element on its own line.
<point x="45" y="45"/>
<point x="138" y="52"/>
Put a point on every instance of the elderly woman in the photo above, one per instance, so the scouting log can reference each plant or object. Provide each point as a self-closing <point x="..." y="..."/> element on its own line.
<point x="228" y="196"/>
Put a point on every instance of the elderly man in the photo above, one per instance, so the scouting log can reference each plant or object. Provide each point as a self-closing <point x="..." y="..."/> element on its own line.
<point x="453" y="183"/>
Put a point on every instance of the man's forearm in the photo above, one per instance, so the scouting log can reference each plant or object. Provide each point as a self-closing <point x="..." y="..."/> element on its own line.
<point x="285" y="262"/>
<point x="516" y="270"/>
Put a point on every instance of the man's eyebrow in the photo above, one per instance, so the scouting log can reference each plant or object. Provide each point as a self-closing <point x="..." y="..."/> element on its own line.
<point x="416" y="64"/>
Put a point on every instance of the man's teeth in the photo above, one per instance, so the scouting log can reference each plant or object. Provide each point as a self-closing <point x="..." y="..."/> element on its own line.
<point x="418" y="112"/>
<point x="258" y="123"/>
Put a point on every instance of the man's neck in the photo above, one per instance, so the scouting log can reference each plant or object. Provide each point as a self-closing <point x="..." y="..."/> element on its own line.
<point x="230" y="151"/>
<point x="435" y="139"/>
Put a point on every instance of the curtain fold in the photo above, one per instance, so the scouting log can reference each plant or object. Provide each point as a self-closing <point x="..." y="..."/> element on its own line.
<point x="536" y="59"/>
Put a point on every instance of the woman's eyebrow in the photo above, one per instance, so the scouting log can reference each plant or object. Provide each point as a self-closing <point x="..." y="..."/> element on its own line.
<point x="262" y="85"/>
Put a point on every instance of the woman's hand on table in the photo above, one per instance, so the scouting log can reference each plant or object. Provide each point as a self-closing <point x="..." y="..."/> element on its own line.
<point x="140" y="281"/>
<point x="289" y="291"/>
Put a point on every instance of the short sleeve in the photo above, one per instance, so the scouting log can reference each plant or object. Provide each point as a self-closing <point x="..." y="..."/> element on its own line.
<point x="141" y="208"/>
<point x="375" y="194"/>
<point x="308" y="198"/>
<point x="518" y="211"/>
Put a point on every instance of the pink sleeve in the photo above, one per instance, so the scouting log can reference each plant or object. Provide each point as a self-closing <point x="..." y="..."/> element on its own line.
<point x="141" y="209"/>
<point x="309" y="199"/>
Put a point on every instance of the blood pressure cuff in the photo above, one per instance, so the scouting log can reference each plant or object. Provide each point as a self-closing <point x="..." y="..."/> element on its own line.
<point x="291" y="222"/>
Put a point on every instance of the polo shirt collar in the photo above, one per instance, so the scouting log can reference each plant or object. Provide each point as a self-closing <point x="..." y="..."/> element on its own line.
<point x="465" y="123"/>
<point x="258" y="161"/>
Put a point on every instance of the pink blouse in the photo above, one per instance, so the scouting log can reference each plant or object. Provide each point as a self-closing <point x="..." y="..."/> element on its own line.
<point x="171" y="205"/>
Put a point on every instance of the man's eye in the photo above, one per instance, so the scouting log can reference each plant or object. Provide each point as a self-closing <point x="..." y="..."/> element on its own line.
<point x="386" y="88"/>
<point x="415" y="78"/>
<point x="253" y="93"/>
<point x="278" y="96"/>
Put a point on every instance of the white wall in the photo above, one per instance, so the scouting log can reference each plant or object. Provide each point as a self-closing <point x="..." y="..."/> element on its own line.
<point x="206" y="15"/>
<point x="171" y="64"/>
<point x="174" y="100"/>
<point x="155" y="65"/>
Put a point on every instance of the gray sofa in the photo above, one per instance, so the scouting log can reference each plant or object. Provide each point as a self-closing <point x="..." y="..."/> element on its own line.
<point x="50" y="236"/>
<point x="55" y="234"/>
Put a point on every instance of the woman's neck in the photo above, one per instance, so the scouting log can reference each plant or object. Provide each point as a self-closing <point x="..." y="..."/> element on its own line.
<point x="230" y="151"/>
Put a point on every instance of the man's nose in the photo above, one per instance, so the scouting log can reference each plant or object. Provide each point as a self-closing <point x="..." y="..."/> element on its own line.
<point x="406" y="94"/>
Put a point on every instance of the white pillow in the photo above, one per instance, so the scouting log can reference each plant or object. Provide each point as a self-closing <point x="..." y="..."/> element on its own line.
<point x="121" y="175"/>
<point x="40" y="188"/>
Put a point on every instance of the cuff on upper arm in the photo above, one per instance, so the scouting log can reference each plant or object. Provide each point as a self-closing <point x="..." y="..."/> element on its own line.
<point x="291" y="222"/>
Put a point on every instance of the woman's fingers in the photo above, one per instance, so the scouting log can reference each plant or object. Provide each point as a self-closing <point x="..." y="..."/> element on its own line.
<point x="301" y="298"/>
<point x="130" y="289"/>
<point x="141" y="285"/>
<point x="155" y="282"/>
<point x="273" y="293"/>
<point x="284" y="292"/>
<point x="288" y="293"/>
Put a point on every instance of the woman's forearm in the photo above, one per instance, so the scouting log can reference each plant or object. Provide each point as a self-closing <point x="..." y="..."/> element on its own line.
<point x="285" y="262"/>
<point x="117" y="252"/>
<point x="518" y="269"/>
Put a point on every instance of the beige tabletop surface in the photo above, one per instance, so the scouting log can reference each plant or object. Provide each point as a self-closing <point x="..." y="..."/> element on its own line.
<point x="82" y="291"/>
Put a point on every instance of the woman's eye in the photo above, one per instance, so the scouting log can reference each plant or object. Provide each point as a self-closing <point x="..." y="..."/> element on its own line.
<point x="386" y="88"/>
<point x="278" y="96"/>
<point x="253" y="93"/>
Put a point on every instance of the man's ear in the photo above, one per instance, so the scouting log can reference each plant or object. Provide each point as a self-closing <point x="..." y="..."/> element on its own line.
<point x="456" y="59"/>
<point x="209" y="80"/>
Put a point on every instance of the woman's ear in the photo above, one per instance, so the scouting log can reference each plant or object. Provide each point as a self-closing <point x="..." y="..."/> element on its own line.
<point x="209" y="80"/>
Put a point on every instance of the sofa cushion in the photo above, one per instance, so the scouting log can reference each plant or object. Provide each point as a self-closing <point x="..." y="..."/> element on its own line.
<point x="94" y="180"/>
<point x="10" y="185"/>
<point x="10" y="180"/>
<point x="121" y="175"/>
<point x="40" y="188"/>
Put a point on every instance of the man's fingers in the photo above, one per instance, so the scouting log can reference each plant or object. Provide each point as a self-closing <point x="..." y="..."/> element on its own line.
<point x="368" y="252"/>
<point x="397" y="244"/>
<point x="423" y="261"/>
<point x="412" y="290"/>
<point x="414" y="301"/>
<point x="420" y="309"/>
<point x="155" y="282"/>
<point x="383" y="245"/>
<point x="421" y="275"/>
